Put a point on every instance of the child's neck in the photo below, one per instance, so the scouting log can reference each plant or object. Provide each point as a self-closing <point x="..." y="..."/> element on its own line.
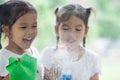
<point x="19" y="51"/>
<point x="76" y="53"/>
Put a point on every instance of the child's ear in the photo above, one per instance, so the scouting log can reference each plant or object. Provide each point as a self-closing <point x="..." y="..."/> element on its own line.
<point x="5" y="30"/>
<point x="56" y="30"/>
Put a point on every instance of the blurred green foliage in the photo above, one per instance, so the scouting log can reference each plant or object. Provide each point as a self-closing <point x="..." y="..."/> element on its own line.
<point x="108" y="18"/>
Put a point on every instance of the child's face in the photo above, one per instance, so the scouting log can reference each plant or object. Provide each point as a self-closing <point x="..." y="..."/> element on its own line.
<point x="23" y="31"/>
<point x="72" y="31"/>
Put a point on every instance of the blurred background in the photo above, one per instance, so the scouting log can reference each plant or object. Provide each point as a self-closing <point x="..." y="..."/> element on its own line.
<point x="103" y="36"/>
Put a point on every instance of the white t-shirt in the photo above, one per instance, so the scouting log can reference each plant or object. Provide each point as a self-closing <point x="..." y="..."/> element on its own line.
<point x="83" y="69"/>
<point x="5" y="54"/>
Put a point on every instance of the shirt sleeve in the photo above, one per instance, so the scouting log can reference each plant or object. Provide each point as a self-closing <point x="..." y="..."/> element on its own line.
<point x="3" y="71"/>
<point x="96" y="67"/>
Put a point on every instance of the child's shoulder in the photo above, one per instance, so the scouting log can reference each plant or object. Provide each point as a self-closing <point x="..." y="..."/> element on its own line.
<point x="91" y="54"/>
<point x="94" y="60"/>
<point x="2" y="50"/>
<point x="5" y="53"/>
<point x="1" y="55"/>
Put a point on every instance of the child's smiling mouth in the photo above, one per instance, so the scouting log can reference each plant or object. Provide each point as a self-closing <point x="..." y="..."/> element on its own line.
<point x="28" y="41"/>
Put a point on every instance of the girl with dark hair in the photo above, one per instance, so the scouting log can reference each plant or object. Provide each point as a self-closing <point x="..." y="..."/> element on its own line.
<point x="71" y="30"/>
<point x="18" y="22"/>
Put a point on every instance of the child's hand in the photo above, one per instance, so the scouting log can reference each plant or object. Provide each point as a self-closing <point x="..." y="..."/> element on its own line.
<point x="6" y="78"/>
<point x="46" y="74"/>
<point x="52" y="74"/>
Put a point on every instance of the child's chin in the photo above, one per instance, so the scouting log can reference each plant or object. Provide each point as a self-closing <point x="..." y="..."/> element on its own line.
<point x="26" y="47"/>
<point x="72" y="44"/>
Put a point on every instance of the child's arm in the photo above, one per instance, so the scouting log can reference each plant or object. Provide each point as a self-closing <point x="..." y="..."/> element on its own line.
<point x="46" y="74"/>
<point x="4" y="78"/>
<point x="1" y="77"/>
<point x="52" y="74"/>
<point x="95" y="77"/>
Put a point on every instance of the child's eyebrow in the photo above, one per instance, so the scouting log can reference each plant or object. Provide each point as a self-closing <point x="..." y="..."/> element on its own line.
<point x="79" y="26"/>
<point x="28" y="24"/>
<point x="65" y="25"/>
<point x="23" y="24"/>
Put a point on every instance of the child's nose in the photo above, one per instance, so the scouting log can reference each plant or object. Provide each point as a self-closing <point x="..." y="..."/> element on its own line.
<point x="30" y="31"/>
<point x="72" y="35"/>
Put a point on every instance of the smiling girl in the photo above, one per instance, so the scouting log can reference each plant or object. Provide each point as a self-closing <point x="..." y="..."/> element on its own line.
<point x="18" y="21"/>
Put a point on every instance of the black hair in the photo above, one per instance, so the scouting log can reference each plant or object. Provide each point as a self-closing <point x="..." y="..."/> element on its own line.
<point x="12" y="10"/>
<point x="65" y="12"/>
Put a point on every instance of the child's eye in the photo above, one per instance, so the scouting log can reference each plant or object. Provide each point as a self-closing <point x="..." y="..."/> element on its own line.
<point x="23" y="27"/>
<point x="78" y="29"/>
<point x="34" y="26"/>
<point x="65" y="28"/>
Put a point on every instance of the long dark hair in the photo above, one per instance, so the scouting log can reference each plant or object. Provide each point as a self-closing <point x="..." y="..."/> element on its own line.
<point x="12" y="10"/>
